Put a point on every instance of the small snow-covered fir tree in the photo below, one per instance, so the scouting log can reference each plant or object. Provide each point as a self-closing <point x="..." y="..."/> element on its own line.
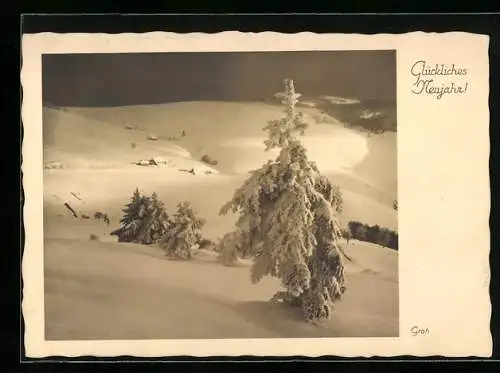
<point x="230" y="249"/>
<point x="155" y="222"/>
<point x="131" y="221"/>
<point x="227" y="248"/>
<point x="184" y="232"/>
<point x="144" y="221"/>
<point x="287" y="211"/>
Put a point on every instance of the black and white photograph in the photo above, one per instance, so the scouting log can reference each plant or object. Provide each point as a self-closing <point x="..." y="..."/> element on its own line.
<point x="220" y="195"/>
<point x="255" y="194"/>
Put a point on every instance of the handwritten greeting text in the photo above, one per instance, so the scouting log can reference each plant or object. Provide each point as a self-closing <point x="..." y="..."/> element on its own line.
<point x="438" y="79"/>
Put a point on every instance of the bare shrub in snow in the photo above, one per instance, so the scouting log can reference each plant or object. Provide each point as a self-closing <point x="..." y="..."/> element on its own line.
<point x="209" y="160"/>
<point x="206" y="244"/>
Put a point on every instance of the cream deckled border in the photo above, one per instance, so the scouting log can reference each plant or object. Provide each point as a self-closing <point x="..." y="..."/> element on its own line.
<point x="443" y="184"/>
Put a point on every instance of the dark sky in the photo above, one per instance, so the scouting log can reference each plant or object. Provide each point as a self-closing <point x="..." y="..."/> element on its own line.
<point x="150" y="78"/>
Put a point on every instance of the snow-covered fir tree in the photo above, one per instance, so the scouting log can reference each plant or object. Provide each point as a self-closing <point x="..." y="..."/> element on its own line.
<point x="144" y="221"/>
<point x="230" y="249"/>
<point x="287" y="211"/>
<point x="184" y="232"/>
<point x="156" y="221"/>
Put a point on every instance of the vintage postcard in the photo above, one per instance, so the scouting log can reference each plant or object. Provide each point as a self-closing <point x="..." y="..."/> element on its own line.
<point x="256" y="194"/>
